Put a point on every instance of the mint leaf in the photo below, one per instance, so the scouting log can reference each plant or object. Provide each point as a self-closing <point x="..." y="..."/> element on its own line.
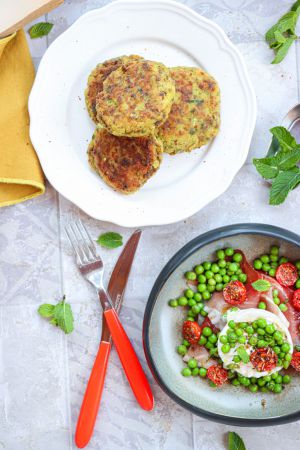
<point x="287" y="160"/>
<point x="266" y="168"/>
<point x="261" y="285"/>
<point x="40" y="29"/>
<point x="110" y="240"/>
<point x="46" y="310"/>
<point x="243" y="354"/>
<point x="235" y="442"/>
<point x="64" y="317"/>
<point x="283" y="184"/>
<point x="274" y="147"/>
<point x="296" y="7"/>
<point x="60" y="315"/>
<point x="283" y="50"/>
<point x="284" y="138"/>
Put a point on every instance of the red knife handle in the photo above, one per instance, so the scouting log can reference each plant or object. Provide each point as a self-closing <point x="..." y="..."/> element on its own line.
<point x="92" y="397"/>
<point x="132" y="367"/>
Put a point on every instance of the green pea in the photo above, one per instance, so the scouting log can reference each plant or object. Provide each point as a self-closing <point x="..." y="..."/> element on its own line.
<point x="276" y="301"/>
<point x="215" y="268"/>
<point x="243" y="278"/>
<point x="225" y="348"/>
<point x="211" y="288"/>
<point x="297" y="264"/>
<point x="195" y="372"/>
<point x="261" y="343"/>
<point x="182" y="301"/>
<point x="222" y="272"/>
<point x="271" y="386"/>
<point x="286" y="364"/>
<point x="261" y="331"/>
<point x="190" y="276"/>
<point x="201" y="287"/>
<point x="173" y="303"/>
<point x="207" y="331"/>
<point x="206" y="295"/>
<point x="278" y="379"/>
<point x="249" y="329"/>
<point x="226" y="279"/>
<point x="209" y="274"/>
<point x="274" y="250"/>
<point x="202" y="340"/>
<point x="262" y="305"/>
<point x="234" y="278"/>
<point x="277" y="335"/>
<point x="263" y="389"/>
<point x="283" y="260"/>
<point x="223" y="339"/>
<point x="238" y="331"/>
<point x="202" y="279"/>
<point x="298" y="283"/>
<point x="262" y="323"/>
<point x="283" y="307"/>
<point x="279" y="362"/>
<point x="266" y="267"/>
<point x="261" y="382"/>
<point x="181" y="349"/>
<point x="229" y="251"/>
<point x="197" y="297"/>
<point x="196" y="309"/>
<point x="218" y="278"/>
<point x="285" y="347"/>
<point x="237" y="257"/>
<point x="192" y="363"/>
<point x="219" y="287"/>
<point x="267" y="378"/>
<point x="190" y="317"/>
<point x="253" y="387"/>
<point x="233" y="267"/>
<point x="277" y="388"/>
<point x="231" y="324"/>
<point x="288" y="357"/>
<point x="189" y="293"/>
<point x="221" y="254"/>
<point x="238" y="272"/>
<point x="245" y="381"/>
<point x="272" y="272"/>
<point x="286" y="379"/>
<point x="211" y="282"/>
<point x="257" y="264"/>
<point x="186" y="343"/>
<point x="209" y="345"/>
<point x="235" y="382"/>
<point x="275" y="293"/>
<point x="242" y="340"/>
<point x="207" y="265"/>
<point x="236" y="359"/>
<point x="281" y="355"/>
<point x="186" y="372"/>
<point x="203" y="313"/>
<point x="232" y="337"/>
<point x="270" y="329"/>
<point x="243" y="325"/>
<point x="265" y="258"/>
<point x="273" y="258"/>
<point x="222" y="263"/>
<point x="276" y="349"/>
<point x="253" y="341"/>
<point x="213" y="338"/>
<point x="253" y="380"/>
<point x="202" y="372"/>
<point x="199" y="269"/>
<point x="192" y="302"/>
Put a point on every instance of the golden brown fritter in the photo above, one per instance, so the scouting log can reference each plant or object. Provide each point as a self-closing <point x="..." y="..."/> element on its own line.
<point x="97" y="77"/>
<point x="136" y="98"/>
<point x="124" y="163"/>
<point x="195" y="115"/>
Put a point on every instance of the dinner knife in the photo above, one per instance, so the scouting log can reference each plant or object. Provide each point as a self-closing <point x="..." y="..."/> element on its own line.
<point x="92" y="396"/>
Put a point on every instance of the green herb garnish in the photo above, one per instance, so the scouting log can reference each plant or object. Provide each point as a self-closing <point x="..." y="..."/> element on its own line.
<point x="40" y="29"/>
<point x="60" y="315"/>
<point x="261" y="285"/>
<point x="110" y="240"/>
<point x="281" y="36"/>
<point x="281" y="167"/>
<point x="235" y="442"/>
<point x="243" y="354"/>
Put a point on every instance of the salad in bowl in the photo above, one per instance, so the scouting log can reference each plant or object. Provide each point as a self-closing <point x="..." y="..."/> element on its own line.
<point x="242" y="321"/>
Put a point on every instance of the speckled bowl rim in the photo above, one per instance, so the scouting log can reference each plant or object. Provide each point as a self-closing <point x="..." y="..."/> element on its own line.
<point x="186" y="251"/>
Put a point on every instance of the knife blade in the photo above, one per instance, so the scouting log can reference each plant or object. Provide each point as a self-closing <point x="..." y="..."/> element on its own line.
<point x="91" y="401"/>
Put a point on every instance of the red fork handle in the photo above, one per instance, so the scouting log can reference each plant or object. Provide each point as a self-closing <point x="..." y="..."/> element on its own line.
<point x="92" y="397"/>
<point x="132" y="367"/>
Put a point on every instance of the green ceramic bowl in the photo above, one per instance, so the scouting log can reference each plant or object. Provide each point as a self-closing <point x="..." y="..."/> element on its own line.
<point x="162" y="333"/>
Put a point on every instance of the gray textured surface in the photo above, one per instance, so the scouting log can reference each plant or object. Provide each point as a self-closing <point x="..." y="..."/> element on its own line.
<point x="43" y="373"/>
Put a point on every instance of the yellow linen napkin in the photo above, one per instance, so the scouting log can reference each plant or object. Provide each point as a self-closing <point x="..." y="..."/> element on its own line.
<point x="21" y="176"/>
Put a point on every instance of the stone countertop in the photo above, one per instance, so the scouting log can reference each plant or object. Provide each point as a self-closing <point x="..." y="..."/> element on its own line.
<point x="43" y="373"/>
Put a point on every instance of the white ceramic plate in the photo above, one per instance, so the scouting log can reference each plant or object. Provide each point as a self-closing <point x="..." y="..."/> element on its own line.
<point x="61" y="129"/>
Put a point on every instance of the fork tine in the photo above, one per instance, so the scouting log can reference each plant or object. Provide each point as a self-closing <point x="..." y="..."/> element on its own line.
<point x="72" y="243"/>
<point x="84" y="243"/>
<point x="92" y="246"/>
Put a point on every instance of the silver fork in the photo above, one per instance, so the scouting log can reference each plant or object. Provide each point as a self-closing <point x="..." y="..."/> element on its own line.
<point x="91" y="267"/>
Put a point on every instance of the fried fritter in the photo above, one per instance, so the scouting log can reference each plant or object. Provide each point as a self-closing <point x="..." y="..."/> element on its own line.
<point x="195" y="115"/>
<point x="97" y="77"/>
<point x="136" y="98"/>
<point x="124" y="163"/>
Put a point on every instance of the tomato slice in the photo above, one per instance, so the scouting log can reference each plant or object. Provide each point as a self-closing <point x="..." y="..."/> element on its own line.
<point x="296" y="299"/>
<point x="207" y="323"/>
<point x="217" y="374"/>
<point x="263" y="359"/>
<point x="295" y="361"/>
<point x="191" y="331"/>
<point x="235" y="293"/>
<point x="286" y="274"/>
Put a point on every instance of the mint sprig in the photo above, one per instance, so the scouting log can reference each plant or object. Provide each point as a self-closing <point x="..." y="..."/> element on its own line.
<point x="235" y="442"/>
<point x="261" y="285"/>
<point x="241" y="351"/>
<point x="281" y="36"/>
<point x="281" y="167"/>
<point x="110" y="240"/>
<point x="40" y="29"/>
<point x="60" y="315"/>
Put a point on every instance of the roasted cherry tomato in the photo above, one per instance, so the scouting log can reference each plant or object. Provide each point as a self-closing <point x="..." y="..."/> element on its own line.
<point x="217" y="374"/>
<point x="286" y="274"/>
<point x="235" y="293"/>
<point x="263" y="359"/>
<point x="296" y="299"/>
<point x="295" y="362"/>
<point x="191" y="331"/>
<point x="207" y="323"/>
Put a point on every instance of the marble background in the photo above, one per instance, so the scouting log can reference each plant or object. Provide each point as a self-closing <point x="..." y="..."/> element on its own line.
<point x="43" y="373"/>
